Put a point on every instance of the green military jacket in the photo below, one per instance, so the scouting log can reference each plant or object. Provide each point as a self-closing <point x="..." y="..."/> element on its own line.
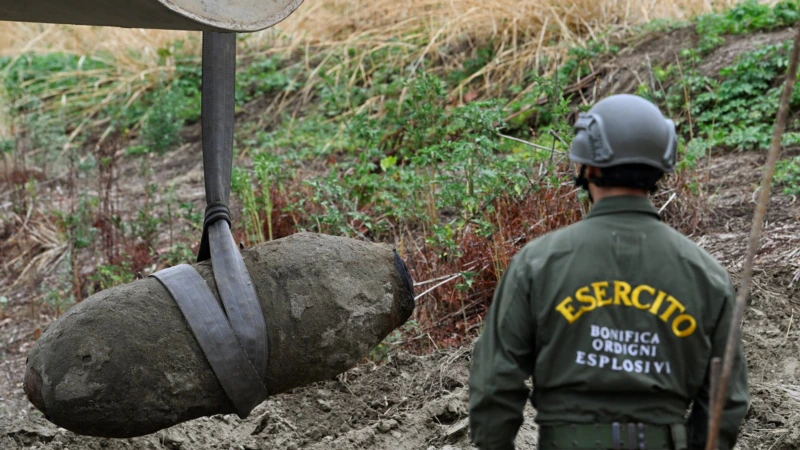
<point x="616" y="318"/>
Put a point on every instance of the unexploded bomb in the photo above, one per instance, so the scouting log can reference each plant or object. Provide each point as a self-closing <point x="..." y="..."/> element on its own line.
<point x="124" y="363"/>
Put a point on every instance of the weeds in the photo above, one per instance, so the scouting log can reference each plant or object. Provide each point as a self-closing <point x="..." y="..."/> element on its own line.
<point x="423" y="166"/>
<point x="429" y="172"/>
<point x="60" y="295"/>
<point x="107" y="276"/>
<point x="734" y="108"/>
<point x="787" y="175"/>
<point x="745" y="17"/>
<point x="163" y="123"/>
<point x="384" y="134"/>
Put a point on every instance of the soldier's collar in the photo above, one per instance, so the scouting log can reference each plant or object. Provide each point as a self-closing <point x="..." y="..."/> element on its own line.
<point x="623" y="204"/>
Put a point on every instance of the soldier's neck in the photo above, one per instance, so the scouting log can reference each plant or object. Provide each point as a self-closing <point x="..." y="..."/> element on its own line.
<point x="599" y="193"/>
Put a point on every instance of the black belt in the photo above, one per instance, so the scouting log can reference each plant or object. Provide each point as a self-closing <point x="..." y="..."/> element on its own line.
<point x="616" y="436"/>
<point x="233" y="339"/>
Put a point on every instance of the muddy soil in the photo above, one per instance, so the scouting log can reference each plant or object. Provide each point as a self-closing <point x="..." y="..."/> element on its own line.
<point x="770" y="332"/>
<point x="408" y="402"/>
<point x="419" y="402"/>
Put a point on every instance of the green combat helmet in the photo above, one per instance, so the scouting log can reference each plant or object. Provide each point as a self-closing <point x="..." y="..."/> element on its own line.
<point x="624" y="129"/>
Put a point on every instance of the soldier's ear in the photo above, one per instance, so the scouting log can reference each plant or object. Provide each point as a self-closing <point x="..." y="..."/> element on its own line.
<point x="593" y="172"/>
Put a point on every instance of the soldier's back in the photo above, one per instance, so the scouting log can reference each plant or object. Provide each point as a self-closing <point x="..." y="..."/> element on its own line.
<point x="624" y="308"/>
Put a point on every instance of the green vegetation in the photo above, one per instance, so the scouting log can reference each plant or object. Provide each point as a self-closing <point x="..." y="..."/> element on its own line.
<point x="163" y="123"/>
<point x="402" y="169"/>
<point x="355" y="143"/>
<point x="735" y="106"/>
<point x="746" y="17"/>
<point x="787" y="175"/>
<point x="66" y="98"/>
<point x="735" y="110"/>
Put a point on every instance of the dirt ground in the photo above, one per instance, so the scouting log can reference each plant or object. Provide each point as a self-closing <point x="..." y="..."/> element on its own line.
<point x="419" y="402"/>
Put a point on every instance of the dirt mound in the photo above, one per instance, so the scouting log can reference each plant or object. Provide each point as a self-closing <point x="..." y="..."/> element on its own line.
<point x="420" y="402"/>
<point x="409" y="402"/>
<point x="770" y="334"/>
<point x="634" y="65"/>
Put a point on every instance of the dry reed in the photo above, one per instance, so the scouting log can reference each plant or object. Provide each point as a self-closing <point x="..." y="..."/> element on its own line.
<point x="514" y="23"/>
<point x="525" y="35"/>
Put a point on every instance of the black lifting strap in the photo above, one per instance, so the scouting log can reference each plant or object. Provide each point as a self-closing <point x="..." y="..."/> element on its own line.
<point x="236" y="346"/>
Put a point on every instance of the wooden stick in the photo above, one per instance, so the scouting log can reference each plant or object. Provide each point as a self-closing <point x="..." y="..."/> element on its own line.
<point x="752" y="247"/>
<point x="531" y="144"/>
<point x="716" y="367"/>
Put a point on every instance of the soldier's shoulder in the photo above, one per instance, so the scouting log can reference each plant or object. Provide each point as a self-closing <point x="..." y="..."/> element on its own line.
<point x="555" y="242"/>
<point x="695" y="255"/>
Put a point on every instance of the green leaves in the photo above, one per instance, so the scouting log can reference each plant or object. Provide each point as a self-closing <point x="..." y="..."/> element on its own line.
<point x="263" y="76"/>
<point x="746" y="17"/>
<point x="423" y="165"/>
<point x="107" y="275"/>
<point x="735" y="109"/>
<point x="163" y="123"/>
<point x="787" y="175"/>
<point x="7" y="145"/>
<point x="744" y="103"/>
<point x="388" y="162"/>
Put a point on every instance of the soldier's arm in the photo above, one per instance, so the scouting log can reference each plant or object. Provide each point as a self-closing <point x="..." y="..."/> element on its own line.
<point x="502" y="360"/>
<point x="737" y="397"/>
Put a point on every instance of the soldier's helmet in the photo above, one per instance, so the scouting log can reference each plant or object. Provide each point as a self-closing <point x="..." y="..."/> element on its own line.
<point x="624" y="129"/>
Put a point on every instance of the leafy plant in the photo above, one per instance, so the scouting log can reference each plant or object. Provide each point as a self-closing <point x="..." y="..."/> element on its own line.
<point x="426" y="165"/>
<point x="263" y="76"/>
<point x="7" y="145"/>
<point x="787" y="175"/>
<point x="745" y="17"/>
<point x="109" y="275"/>
<point x="58" y="298"/>
<point x="163" y="123"/>
<point x="76" y="224"/>
<point x="735" y="110"/>
<point x="179" y="253"/>
<point x="544" y="117"/>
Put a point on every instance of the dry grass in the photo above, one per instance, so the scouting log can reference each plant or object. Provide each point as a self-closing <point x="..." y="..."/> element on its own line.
<point x="132" y="55"/>
<point x="18" y="37"/>
<point x="437" y="22"/>
<point x="519" y="27"/>
<point x="524" y="33"/>
<point x="33" y="246"/>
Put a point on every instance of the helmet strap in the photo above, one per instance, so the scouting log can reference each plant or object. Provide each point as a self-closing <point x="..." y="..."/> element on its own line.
<point x="583" y="182"/>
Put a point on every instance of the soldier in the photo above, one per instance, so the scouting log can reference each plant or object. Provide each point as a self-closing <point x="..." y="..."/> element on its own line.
<point x="616" y="317"/>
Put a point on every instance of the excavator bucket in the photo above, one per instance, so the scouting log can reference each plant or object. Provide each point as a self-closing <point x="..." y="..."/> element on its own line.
<point x="240" y="16"/>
